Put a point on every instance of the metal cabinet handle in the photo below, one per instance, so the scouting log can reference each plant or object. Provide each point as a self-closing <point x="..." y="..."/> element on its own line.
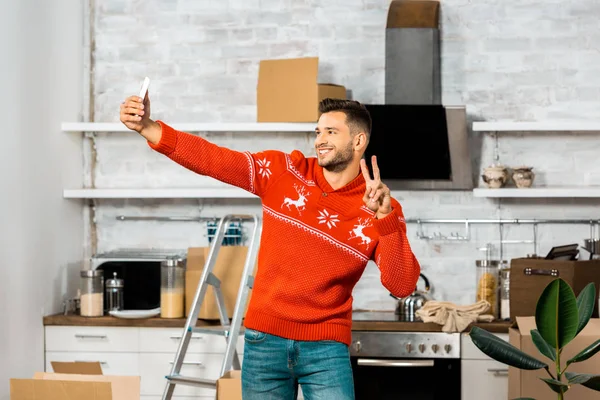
<point x="193" y="337"/>
<point x="499" y="371"/>
<point x="79" y="336"/>
<point x="367" y="362"/>
<point x="198" y="364"/>
<point x="87" y="361"/>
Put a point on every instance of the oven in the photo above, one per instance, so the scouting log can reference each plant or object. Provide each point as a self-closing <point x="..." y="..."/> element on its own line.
<point x="406" y="365"/>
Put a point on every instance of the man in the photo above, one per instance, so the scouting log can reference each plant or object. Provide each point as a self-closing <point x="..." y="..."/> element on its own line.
<point x="323" y="220"/>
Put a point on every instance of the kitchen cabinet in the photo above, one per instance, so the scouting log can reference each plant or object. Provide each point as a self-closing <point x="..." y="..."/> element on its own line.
<point x="140" y="351"/>
<point x="481" y="376"/>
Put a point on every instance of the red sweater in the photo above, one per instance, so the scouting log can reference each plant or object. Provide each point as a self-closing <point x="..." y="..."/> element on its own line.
<point x="315" y="241"/>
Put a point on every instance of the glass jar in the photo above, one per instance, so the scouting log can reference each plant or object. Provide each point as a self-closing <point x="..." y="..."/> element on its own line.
<point x="487" y="285"/>
<point x="92" y="293"/>
<point x="114" y="294"/>
<point x="172" y="288"/>
<point x="505" y="293"/>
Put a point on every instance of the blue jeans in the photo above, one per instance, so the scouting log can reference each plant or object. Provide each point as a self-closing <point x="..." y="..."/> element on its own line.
<point x="273" y="367"/>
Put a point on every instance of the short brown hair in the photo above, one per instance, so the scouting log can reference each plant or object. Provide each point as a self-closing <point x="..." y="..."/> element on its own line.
<point x="357" y="115"/>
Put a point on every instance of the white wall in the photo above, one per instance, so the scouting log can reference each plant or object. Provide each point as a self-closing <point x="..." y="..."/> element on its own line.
<point x="40" y="233"/>
<point x="515" y="59"/>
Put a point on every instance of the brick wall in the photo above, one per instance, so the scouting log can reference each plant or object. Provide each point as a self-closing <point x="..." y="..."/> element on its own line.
<point x="519" y="60"/>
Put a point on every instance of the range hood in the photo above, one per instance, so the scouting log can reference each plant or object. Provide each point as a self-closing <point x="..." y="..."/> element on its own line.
<point x="420" y="144"/>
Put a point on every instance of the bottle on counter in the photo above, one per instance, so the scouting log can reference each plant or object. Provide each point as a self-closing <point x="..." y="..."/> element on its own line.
<point x="114" y="294"/>
<point x="487" y="285"/>
<point x="505" y="292"/>
<point x="92" y="293"/>
<point x="172" y="290"/>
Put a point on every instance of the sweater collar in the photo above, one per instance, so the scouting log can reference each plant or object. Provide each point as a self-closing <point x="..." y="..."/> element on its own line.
<point x="356" y="183"/>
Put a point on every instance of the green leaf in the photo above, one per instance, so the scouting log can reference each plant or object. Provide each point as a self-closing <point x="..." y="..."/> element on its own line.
<point x="556" y="314"/>
<point x="586" y="353"/>
<point x="556" y="386"/>
<point x="500" y="350"/>
<point x="590" y="381"/>
<point x="542" y="346"/>
<point x="585" y="305"/>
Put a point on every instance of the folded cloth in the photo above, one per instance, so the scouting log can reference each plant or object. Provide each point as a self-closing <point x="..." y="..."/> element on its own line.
<point x="454" y="318"/>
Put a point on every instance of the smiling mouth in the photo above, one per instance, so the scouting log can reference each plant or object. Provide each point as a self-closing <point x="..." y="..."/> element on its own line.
<point x="324" y="151"/>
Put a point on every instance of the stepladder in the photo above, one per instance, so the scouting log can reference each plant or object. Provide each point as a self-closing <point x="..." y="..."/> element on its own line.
<point x="230" y="328"/>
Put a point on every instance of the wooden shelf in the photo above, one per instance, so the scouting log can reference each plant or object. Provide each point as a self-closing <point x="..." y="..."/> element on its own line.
<point x="540" y="192"/>
<point x="159" y="193"/>
<point x="547" y="126"/>
<point x="196" y="127"/>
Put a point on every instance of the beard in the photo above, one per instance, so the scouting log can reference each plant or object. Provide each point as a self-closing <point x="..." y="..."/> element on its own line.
<point x="340" y="160"/>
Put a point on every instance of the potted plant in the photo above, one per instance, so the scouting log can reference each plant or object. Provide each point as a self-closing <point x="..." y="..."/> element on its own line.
<point x="559" y="317"/>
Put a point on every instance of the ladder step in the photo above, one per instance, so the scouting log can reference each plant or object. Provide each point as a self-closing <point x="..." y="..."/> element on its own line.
<point x="186" y="380"/>
<point x="210" y="331"/>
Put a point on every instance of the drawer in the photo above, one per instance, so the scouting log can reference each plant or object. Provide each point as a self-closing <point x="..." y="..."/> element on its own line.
<point x="166" y="340"/>
<point x="470" y="352"/>
<point x="92" y="339"/>
<point x="111" y="363"/>
<point x="155" y="366"/>
<point x="178" y="398"/>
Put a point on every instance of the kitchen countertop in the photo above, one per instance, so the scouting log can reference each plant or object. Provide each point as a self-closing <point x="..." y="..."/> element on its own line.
<point x="362" y="321"/>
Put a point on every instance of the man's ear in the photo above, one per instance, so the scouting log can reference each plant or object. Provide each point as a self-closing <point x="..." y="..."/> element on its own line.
<point x="360" y="141"/>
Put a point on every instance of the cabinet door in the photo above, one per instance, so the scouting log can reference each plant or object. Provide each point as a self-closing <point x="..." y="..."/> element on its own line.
<point x="484" y="379"/>
<point x="92" y="339"/>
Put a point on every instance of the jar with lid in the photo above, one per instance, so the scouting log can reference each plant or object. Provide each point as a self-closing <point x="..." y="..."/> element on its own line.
<point x="114" y="294"/>
<point x="92" y="293"/>
<point x="505" y="292"/>
<point x="172" y="289"/>
<point x="487" y="284"/>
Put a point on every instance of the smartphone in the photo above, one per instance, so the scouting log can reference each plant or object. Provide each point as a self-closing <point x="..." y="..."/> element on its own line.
<point x="144" y="89"/>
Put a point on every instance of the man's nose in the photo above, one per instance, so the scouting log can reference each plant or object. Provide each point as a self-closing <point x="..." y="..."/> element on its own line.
<point x="319" y="141"/>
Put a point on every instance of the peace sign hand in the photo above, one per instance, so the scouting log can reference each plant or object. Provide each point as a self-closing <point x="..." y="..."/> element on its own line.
<point x="377" y="195"/>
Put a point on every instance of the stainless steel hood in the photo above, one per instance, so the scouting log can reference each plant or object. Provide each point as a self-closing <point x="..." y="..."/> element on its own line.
<point x="420" y="143"/>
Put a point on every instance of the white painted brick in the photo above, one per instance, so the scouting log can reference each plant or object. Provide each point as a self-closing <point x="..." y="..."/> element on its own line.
<point x="265" y="34"/>
<point x="511" y="45"/>
<point x="527" y="60"/>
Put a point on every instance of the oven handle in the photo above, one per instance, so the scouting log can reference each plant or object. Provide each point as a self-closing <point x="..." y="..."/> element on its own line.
<point x="368" y="362"/>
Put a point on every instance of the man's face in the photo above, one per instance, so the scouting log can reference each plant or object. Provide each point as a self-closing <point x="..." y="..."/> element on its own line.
<point x="333" y="142"/>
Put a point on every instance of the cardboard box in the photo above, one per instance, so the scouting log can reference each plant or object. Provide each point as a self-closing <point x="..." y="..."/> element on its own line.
<point x="79" y="381"/>
<point x="527" y="383"/>
<point x="228" y="268"/>
<point x="288" y="90"/>
<point x="229" y="386"/>
<point x="530" y="276"/>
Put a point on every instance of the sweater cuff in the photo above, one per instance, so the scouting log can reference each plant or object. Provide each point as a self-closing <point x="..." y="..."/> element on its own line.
<point x="388" y="224"/>
<point x="168" y="140"/>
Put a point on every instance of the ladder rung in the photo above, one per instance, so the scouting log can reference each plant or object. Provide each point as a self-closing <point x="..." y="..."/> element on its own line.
<point x="210" y="331"/>
<point x="186" y="380"/>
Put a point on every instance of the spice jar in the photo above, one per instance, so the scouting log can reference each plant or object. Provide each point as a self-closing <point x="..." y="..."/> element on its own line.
<point x="92" y="297"/>
<point x="172" y="288"/>
<point x="114" y="294"/>
<point x="487" y="284"/>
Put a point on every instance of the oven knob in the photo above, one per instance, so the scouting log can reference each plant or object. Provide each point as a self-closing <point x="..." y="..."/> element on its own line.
<point x="421" y="347"/>
<point x="357" y="346"/>
<point x="435" y="348"/>
<point x="408" y="347"/>
<point x="447" y="347"/>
